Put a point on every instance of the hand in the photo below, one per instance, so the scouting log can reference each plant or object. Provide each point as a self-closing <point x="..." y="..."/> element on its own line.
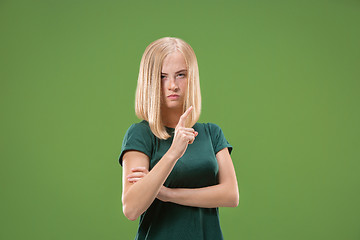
<point x="137" y="174"/>
<point x="183" y="136"/>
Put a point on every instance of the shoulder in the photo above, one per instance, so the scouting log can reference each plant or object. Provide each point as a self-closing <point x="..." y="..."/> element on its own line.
<point x="141" y="128"/>
<point x="209" y="126"/>
<point x="213" y="126"/>
<point x="216" y="135"/>
<point x="138" y="137"/>
<point x="211" y="129"/>
<point x="139" y="133"/>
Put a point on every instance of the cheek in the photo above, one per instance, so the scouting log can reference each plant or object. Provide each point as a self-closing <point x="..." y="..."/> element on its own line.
<point x="163" y="85"/>
<point x="163" y="91"/>
<point x="184" y="85"/>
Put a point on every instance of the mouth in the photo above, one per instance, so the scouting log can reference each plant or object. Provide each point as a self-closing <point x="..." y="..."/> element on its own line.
<point x="173" y="96"/>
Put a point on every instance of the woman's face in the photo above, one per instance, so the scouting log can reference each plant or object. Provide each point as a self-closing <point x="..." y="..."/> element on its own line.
<point x="173" y="81"/>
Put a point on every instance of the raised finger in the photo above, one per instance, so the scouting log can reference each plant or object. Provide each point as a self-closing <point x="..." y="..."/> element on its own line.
<point x="184" y="116"/>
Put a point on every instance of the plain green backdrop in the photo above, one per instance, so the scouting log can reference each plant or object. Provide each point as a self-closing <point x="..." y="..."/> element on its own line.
<point x="281" y="78"/>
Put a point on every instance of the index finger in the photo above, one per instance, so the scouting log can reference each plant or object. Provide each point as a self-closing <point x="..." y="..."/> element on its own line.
<point x="184" y="116"/>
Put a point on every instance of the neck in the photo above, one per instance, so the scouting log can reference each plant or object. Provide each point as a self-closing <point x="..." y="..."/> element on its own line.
<point x="170" y="117"/>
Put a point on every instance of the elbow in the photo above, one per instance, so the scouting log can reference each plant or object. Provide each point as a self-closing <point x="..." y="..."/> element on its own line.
<point x="233" y="199"/>
<point x="235" y="196"/>
<point x="130" y="217"/>
<point x="129" y="214"/>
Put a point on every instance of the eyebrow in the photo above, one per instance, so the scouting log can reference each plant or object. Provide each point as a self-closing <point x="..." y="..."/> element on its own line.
<point x="182" y="70"/>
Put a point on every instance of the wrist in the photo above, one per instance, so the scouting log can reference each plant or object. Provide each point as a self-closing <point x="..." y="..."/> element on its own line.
<point x="168" y="194"/>
<point x="171" y="155"/>
<point x="164" y="194"/>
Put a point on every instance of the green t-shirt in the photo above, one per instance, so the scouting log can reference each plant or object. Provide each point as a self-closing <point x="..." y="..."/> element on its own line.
<point x="195" y="169"/>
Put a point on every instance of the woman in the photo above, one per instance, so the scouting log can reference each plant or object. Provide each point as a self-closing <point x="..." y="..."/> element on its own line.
<point x="176" y="172"/>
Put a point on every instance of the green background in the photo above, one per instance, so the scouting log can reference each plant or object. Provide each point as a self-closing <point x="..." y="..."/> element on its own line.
<point x="281" y="78"/>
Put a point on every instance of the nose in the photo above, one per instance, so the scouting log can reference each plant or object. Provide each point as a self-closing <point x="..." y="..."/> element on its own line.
<point x="173" y="84"/>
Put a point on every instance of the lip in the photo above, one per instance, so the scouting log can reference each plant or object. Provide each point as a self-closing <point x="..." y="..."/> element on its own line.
<point x="173" y="96"/>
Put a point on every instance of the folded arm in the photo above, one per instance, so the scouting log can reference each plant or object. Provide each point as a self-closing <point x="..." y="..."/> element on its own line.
<point x="224" y="194"/>
<point x="138" y="195"/>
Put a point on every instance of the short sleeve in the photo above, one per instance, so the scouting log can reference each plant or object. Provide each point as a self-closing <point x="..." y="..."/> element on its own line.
<point x="137" y="137"/>
<point x="218" y="139"/>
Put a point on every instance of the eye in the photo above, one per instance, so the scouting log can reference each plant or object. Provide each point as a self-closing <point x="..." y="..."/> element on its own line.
<point x="162" y="76"/>
<point x="181" y="75"/>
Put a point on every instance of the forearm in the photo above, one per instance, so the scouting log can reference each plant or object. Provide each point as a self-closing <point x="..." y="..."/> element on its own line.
<point x="142" y="193"/>
<point x="220" y="195"/>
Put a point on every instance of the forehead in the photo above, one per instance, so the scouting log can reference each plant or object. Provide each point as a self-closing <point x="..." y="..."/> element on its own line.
<point x="173" y="62"/>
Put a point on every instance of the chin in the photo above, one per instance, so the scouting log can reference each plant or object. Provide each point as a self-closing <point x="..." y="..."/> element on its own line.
<point x="173" y="105"/>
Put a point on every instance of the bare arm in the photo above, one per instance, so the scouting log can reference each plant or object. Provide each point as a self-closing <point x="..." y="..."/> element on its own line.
<point x="138" y="195"/>
<point x="224" y="194"/>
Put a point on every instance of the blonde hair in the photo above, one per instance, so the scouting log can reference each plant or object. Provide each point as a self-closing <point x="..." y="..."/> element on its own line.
<point x="148" y="91"/>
